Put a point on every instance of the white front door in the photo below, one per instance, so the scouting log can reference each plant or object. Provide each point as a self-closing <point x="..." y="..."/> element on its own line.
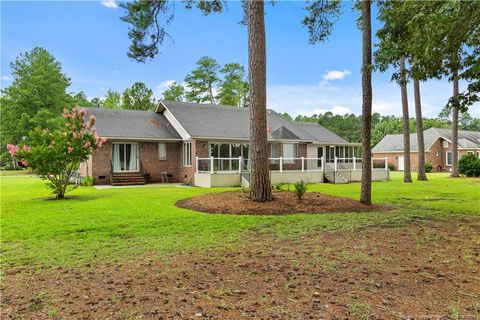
<point x="401" y="163"/>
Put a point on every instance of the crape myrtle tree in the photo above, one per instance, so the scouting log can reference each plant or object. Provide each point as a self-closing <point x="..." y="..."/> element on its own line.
<point x="56" y="154"/>
<point x="319" y="22"/>
<point x="148" y="21"/>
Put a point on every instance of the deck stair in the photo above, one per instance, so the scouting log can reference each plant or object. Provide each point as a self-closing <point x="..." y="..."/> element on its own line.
<point x="126" y="179"/>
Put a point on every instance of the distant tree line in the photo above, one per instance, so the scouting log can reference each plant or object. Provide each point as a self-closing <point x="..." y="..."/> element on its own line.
<point x="348" y="126"/>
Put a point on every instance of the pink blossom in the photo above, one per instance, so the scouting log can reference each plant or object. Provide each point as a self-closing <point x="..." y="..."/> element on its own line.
<point x="87" y="144"/>
<point x="26" y="148"/>
<point x="70" y="149"/>
<point x="83" y="111"/>
<point x="24" y="162"/>
<point x="75" y="135"/>
<point x="12" y="149"/>
<point x="92" y="118"/>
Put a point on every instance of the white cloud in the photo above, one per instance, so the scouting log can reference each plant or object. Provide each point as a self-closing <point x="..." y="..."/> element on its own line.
<point x="6" y="78"/>
<point x="336" y="75"/>
<point x="109" y="4"/>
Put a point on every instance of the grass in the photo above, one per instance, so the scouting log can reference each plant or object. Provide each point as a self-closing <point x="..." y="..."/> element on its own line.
<point x="119" y="224"/>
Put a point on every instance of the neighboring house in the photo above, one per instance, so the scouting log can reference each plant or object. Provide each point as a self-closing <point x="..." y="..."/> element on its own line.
<point x="208" y="145"/>
<point x="438" y="148"/>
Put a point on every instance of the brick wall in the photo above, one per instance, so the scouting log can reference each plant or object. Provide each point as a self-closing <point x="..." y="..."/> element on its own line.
<point x="100" y="163"/>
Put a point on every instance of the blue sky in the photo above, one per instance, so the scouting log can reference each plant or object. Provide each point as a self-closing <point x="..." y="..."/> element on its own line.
<point x="91" y="43"/>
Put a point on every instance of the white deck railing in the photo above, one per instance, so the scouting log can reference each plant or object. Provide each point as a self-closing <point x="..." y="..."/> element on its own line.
<point x="303" y="164"/>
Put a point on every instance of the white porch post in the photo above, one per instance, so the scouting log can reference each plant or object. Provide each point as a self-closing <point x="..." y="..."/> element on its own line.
<point x="371" y="164"/>
<point x="281" y="164"/>
<point x="323" y="163"/>
<point x="211" y="165"/>
<point x="240" y="164"/>
<point x="303" y="164"/>
<point x="386" y="163"/>
<point x="354" y="163"/>
<point x="196" y="164"/>
<point x="335" y="163"/>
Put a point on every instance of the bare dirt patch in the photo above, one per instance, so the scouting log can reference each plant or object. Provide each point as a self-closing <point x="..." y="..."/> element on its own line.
<point x="426" y="270"/>
<point x="284" y="202"/>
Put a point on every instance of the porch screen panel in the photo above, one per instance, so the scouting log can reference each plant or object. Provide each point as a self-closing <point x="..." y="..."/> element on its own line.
<point x="225" y="153"/>
<point x="236" y="152"/>
<point x="319" y="156"/>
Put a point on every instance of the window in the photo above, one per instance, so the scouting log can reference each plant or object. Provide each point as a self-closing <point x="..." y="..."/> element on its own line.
<point x="124" y="157"/>
<point x="445" y="143"/>
<point x="187" y="154"/>
<point x="449" y="158"/>
<point x="162" y="151"/>
<point x="289" y="152"/>
<point x="470" y="152"/>
<point x="229" y="151"/>
<point x="319" y="156"/>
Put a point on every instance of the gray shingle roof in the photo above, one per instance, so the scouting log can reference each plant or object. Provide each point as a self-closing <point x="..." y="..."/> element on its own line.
<point x="320" y="133"/>
<point x="117" y="123"/>
<point x="215" y="121"/>
<point x="394" y="142"/>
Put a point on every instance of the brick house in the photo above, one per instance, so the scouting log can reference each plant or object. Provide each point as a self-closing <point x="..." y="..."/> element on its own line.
<point x="438" y="148"/>
<point x="208" y="145"/>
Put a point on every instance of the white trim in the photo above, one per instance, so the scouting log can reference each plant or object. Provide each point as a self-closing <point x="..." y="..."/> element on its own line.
<point x="176" y="124"/>
<point x="189" y="162"/>
<point x="114" y="139"/>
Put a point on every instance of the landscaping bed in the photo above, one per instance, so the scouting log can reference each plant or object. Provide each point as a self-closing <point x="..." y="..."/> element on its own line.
<point x="284" y="202"/>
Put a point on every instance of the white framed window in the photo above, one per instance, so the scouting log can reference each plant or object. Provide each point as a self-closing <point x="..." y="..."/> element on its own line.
<point x="289" y="152"/>
<point x="449" y="158"/>
<point x="187" y="154"/>
<point x="445" y="143"/>
<point x="162" y="151"/>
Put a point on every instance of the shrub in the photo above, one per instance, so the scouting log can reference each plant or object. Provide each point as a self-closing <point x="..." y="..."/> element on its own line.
<point x="87" y="181"/>
<point x="56" y="155"/>
<point x="469" y="165"/>
<point x="277" y="186"/>
<point x="428" y="167"/>
<point x="391" y="166"/>
<point x="300" y="188"/>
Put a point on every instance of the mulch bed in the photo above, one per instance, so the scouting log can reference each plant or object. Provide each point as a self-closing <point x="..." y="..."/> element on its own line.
<point x="420" y="271"/>
<point x="284" y="202"/>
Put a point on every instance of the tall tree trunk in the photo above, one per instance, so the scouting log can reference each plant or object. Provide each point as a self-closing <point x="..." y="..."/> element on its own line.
<point x="366" y="191"/>
<point x="419" y="124"/>
<point x="260" y="189"/>
<point x="455" y="130"/>
<point x="407" y="175"/>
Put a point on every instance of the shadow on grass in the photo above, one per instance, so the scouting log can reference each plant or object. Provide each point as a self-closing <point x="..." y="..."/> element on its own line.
<point x="75" y="198"/>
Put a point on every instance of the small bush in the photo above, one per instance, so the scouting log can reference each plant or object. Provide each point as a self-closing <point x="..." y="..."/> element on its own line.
<point x="277" y="186"/>
<point x="86" y="182"/>
<point x="391" y="166"/>
<point x="469" y="165"/>
<point x="428" y="167"/>
<point x="300" y="188"/>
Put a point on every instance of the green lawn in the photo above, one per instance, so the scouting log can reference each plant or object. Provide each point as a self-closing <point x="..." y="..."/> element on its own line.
<point x="118" y="224"/>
